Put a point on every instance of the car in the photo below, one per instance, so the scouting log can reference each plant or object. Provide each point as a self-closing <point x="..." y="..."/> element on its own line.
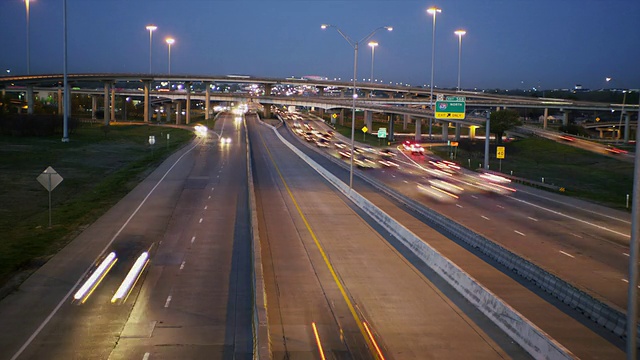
<point x="416" y="149"/>
<point x="321" y="142"/>
<point x="387" y="153"/>
<point x="567" y="138"/>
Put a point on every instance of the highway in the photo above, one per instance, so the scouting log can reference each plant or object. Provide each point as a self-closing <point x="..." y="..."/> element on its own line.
<point x="581" y="242"/>
<point x="528" y="222"/>
<point x="327" y="266"/>
<point x="324" y="264"/>
<point x="193" y="301"/>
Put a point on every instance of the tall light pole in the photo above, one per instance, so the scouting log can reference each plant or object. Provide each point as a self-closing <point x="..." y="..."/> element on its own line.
<point x="459" y="33"/>
<point x="373" y="45"/>
<point x="433" y="11"/>
<point x="354" y="45"/>
<point x="151" y="29"/>
<point x="170" y="42"/>
<point x="26" y="3"/>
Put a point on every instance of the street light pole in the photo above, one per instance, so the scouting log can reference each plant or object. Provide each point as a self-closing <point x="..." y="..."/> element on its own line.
<point x="459" y="33"/>
<point x="26" y="3"/>
<point x="170" y="42"/>
<point x="354" y="44"/>
<point x="373" y="45"/>
<point x="433" y="11"/>
<point x="151" y="29"/>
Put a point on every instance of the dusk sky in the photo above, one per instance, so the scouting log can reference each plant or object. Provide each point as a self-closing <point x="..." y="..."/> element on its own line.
<point x="509" y="43"/>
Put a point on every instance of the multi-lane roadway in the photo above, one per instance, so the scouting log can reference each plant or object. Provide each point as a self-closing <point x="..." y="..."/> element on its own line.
<point x="335" y="283"/>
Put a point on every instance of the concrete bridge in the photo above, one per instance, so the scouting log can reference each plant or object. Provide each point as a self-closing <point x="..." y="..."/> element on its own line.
<point x="410" y="103"/>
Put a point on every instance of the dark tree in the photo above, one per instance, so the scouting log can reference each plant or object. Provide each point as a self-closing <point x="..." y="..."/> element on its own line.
<point x="502" y="121"/>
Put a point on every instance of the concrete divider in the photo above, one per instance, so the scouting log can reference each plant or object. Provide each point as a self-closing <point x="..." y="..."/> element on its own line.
<point x="260" y="321"/>
<point x="526" y="334"/>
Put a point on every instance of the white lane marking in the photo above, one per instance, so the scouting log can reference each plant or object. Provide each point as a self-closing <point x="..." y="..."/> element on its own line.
<point x="205" y="207"/>
<point x="182" y="265"/>
<point x="564" y="253"/>
<point x="573" y="206"/>
<point x="530" y="218"/>
<point x="625" y="254"/>
<point x="209" y="197"/>
<point x="458" y="205"/>
<point x="193" y="239"/>
<point x="393" y="176"/>
<point x="166" y="304"/>
<point x="572" y="218"/>
<point x="146" y="356"/>
<point x="212" y="189"/>
<point x="500" y="206"/>
<point x="64" y="299"/>
<point x="473" y="196"/>
<point x="484" y="217"/>
<point x="576" y="235"/>
<point x="200" y="221"/>
<point x="518" y="232"/>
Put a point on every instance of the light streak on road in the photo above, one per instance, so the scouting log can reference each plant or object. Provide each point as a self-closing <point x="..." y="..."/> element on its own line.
<point x="375" y="344"/>
<point x="132" y="277"/>
<point x="94" y="280"/>
<point x="317" y="336"/>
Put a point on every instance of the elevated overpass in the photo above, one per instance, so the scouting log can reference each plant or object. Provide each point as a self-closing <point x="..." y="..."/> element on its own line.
<point x="413" y="103"/>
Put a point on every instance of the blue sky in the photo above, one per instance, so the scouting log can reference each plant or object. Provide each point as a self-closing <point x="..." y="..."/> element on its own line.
<point x="509" y="43"/>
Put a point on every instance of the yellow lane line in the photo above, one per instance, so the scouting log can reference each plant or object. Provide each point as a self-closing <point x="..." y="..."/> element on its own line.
<point x="324" y="255"/>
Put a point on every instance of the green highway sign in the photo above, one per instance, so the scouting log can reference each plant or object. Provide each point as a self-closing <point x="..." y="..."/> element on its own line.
<point x="382" y="133"/>
<point x="450" y="109"/>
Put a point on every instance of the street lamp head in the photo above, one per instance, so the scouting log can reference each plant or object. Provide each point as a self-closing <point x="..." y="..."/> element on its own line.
<point x="373" y="44"/>
<point x="434" y="10"/>
<point x="389" y="28"/>
<point x="152" y="27"/>
<point x="608" y="79"/>
<point x="324" y="26"/>
<point x="460" y="32"/>
<point x="170" y="41"/>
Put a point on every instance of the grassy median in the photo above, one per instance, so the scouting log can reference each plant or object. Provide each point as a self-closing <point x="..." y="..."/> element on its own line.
<point x="99" y="166"/>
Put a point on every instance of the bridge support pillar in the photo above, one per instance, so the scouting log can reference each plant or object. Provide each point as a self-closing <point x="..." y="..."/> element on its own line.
<point x="406" y="121"/>
<point x="565" y="118"/>
<point x="107" y="106"/>
<point x="458" y="128"/>
<point x="207" y="101"/>
<point x="187" y="86"/>
<point x="320" y="90"/>
<point x="60" y="109"/>
<point x="168" y="110"/>
<point x="267" y="89"/>
<point x="627" y="119"/>
<point x="342" y="92"/>
<point x="418" y="136"/>
<point x="445" y="131"/>
<point x="113" y="103"/>
<point x="147" y="106"/>
<point x="391" y="121"/>
<point x="94" y="106"/>
<point x="341" y="117"/>
<point x="30" y="99"/>
<point x="267" y="111"/>
<point x="321" y="113"/>
<point x="179" y="113"/>
<point x="546" y="116"/>
<point x="368" y="120"/>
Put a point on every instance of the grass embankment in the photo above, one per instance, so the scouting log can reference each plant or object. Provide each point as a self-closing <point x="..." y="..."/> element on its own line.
<point x="581" y="173"/>
<point x="99" y="167"/>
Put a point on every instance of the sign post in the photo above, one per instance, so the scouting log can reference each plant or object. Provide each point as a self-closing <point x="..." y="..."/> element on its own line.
<point x="500" y="155"/>
<point x="364" y="132"/>
<point x="50" y="179"/>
